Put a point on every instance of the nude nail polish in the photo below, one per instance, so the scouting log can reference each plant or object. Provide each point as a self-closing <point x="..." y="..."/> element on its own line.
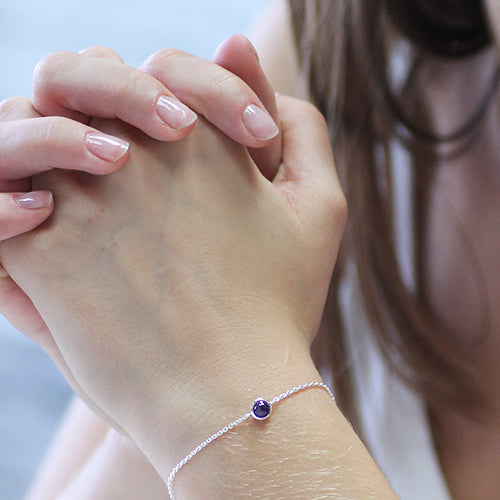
<point x="259" y="123"/>
<point x="106" y="147"/>
<point x="34" y="200"/>
<point x="175" y="114"/>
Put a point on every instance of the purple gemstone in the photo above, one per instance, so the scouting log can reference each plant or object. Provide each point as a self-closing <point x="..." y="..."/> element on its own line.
<point x="261" y="409"/>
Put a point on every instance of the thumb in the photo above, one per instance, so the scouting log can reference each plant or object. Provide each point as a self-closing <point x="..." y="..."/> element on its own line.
<point x="307" y="176"/>
<point x="22" y="212"/>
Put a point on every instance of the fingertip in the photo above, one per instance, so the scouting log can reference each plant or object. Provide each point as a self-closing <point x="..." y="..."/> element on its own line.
<point x="102" y="52"/>
<point x="34" y="200"/>
<point x="23" y="212"/>
<point x="259" y="123"/>
<point x="237" y="55"/>
<point x="221" y="48"/>
<point x="106" y="147"/>
<point x="175" y="114"/>
<point x="237" y="42"/>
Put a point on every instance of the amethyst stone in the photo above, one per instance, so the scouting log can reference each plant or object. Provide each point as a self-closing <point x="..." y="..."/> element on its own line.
<point x="261" y="409"/>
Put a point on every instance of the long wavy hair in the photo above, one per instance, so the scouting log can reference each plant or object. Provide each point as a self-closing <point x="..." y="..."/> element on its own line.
<point x="344" y="48"/>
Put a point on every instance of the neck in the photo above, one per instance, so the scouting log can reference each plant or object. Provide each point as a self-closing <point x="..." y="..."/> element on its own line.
<point x="462" y="268"/>
<point x="469" y="453"/>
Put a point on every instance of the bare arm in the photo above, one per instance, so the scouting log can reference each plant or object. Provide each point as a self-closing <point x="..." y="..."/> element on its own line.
<point x="300" y="455"/>
<point x="82" y="438"/>
<point x="88" y="460"/>
<point x="79" y="435"/>
<point x="307" y="449"/>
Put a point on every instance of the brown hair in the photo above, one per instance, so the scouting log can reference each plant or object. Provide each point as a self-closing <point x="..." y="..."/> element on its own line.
<point x="341" y="46"/>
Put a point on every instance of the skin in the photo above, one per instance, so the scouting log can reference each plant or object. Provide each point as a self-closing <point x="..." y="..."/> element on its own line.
<point x="73" y="100"/>
<point x="178" y="295"/>
<point x="51" y="478"/>
<point x="55" y="476"/>
<point x="463" y="234"/>
<point x="477" y="188"/>
<point x="14" y="175"/>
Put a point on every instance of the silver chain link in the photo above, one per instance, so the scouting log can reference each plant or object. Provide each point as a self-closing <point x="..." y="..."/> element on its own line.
<point x="232" y="425"/>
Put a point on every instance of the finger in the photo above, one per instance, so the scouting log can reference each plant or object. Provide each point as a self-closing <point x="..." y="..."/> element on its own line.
<point x="307" y="174"/>
<point x="77" y="86"/>
<point x="22" y="212"/>
<point x="16" y="108"/>
<point x="237" y="55"/>
<point x="11" y="109"/>
<point x="103" y="52"/>
<point x="211" y="90"/>
<point x="28" y="147"/>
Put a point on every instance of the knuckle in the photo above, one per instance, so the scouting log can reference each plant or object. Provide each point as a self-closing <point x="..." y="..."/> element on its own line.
<point x="100" y="51"/>
<point x="223" y="86"/>
<point x="217" y="80"/>
<point x="50" y="131"/>
<point x="226" y="82"/>
<point x="50" y="65"/>
<point x="46" y="73"/>
<point x="54" y="131"/>
<point x="313" y="113"/>
<point x="14" y="104"/>
<point x="135" y="83"/>
<point x="161" y="59"/>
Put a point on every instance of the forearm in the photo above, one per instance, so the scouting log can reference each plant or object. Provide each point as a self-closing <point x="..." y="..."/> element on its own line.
<point x="116" y="470"/>
<point x="87" y="461"/>
<point x="172" y="340"/>
<point x="80" y="433"/>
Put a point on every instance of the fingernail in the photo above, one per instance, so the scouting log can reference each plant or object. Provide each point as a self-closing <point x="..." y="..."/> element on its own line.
<point x="259" y="123"/>
<point x="33" y="200"/>
<point x="106" y="147"/>
<point x="175" y="114"/>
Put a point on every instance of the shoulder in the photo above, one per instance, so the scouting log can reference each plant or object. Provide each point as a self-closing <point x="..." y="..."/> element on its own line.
<point x="273" y="38"/>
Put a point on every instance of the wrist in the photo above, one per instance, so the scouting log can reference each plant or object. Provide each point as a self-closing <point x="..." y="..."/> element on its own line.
<point x="305" y="449"/>
<point x="251" y="457"/>
<point x="188" y="412"/>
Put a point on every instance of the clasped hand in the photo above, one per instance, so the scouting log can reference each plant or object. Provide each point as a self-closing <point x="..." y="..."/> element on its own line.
<point x="197" y="266"/>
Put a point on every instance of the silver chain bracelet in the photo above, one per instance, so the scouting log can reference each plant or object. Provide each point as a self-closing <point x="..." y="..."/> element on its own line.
<point x="261" y="410"/>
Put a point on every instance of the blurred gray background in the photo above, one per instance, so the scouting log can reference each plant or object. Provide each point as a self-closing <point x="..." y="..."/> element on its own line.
<point x="32" y="393"/>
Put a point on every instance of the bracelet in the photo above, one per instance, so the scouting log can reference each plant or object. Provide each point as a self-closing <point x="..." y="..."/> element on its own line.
<point x="261" y="410"/>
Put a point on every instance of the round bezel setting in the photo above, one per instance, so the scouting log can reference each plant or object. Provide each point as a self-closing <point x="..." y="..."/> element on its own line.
<point x="261" y="409"/>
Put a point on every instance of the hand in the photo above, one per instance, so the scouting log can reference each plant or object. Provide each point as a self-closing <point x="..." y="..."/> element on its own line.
<point x="97" y="82"/>
<point x="188" y="262"/>
<point x="29" y="145"/>
<point x="232" y="93"/>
